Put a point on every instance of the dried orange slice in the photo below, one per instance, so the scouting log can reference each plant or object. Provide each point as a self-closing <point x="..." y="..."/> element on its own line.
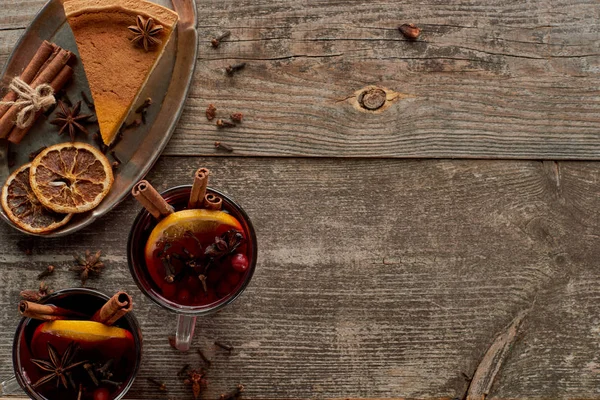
<point x="71" y="177"/>
<point x="24" y="209"/>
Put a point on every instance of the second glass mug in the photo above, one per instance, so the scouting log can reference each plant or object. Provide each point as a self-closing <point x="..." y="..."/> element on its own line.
<point x="79" y="300"/>
<point x="186" y="315"/>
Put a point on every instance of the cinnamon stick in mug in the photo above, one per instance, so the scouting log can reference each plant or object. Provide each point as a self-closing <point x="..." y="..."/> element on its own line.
<point x="118" y="305"/>
<point x="212" y="202"/>
<point x="151" y="200"/>
<point x="44" y="312"/>
<point x="198" y="188"/>
<point x="30" y="71"/>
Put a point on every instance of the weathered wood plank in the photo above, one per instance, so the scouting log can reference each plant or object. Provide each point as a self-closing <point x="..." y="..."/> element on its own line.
<point x="381" y="278"/>
<point x="485" y="80"/>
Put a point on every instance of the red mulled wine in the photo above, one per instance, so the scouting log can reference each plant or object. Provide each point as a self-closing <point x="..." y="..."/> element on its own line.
<point x="194" y="257"/>
<point x="78" y="358"/>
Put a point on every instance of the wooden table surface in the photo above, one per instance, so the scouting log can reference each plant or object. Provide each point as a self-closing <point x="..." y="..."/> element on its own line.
<point x="396" y="246"/>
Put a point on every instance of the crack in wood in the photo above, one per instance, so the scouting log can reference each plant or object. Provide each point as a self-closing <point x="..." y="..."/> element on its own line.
<point x="492" y="361"/>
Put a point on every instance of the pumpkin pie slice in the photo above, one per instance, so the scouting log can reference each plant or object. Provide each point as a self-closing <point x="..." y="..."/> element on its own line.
<point x="119" y="43"/>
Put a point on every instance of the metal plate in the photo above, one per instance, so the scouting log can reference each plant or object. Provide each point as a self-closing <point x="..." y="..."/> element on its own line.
<point x="139" y="149"/>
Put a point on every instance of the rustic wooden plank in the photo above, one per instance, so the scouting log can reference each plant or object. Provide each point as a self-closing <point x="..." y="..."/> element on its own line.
<point x="381" y="278"/>
<point x="485" y="80"/>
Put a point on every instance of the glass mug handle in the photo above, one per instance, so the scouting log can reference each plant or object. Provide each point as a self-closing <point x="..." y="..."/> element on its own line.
<point x="9" y="386"/>
<point x="185" y="332"/>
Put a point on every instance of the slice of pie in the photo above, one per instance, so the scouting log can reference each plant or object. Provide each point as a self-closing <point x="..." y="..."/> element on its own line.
<point x="119" y="43"/>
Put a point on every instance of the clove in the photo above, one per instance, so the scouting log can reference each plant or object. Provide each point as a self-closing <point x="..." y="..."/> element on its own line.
<point x="204" y="358"/>
<point x="234" y="394"/>
<point x="160" y="385"/>
<point x="410" y="31"/>
<point x="215" y="42"/>
<point x="47" y="272"/>
<point x="224" y="346"/>
<point x="231" y="69"/>
<point x="223" y="146"/>
<point x="224" y="124"/>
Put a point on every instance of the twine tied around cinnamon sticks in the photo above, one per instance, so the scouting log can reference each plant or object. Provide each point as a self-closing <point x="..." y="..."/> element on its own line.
<point x="30" y="101"/>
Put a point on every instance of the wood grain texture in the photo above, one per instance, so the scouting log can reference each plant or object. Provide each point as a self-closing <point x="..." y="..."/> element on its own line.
<point x="380" y="278"/>
<point x="485" y="79"/>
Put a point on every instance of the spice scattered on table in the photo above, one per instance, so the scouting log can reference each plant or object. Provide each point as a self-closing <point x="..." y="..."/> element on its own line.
<point x="196" y="380"/>
<point x="160" y="385"/>
<point x="88" y="265"/>
<point x="36" y="295"/>
<point x="232" y="69"/>
<point x="215" y="42"/>
<point x="234" y="394"/>
<point x="224" y="346"/>
<point x="46" y="272"/>
<point x="237" y="117"/>
<point x="221" y="123"/>
<point x="223" y="146"/>
<point x="410" y="31"/>
<point x="211" y="112"/>
<point x="204" y="358"/>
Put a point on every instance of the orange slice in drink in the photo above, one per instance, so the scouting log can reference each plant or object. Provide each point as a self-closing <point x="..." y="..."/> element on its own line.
<point x="89" y="335"/>
<point x="195" y="221"/>
<point x="71" y="177"/>
<point x="23" y="207"/>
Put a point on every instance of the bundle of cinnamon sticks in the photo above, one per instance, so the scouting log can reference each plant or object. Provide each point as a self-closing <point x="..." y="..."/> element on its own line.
<point x="156" y="205"/>
<point x="48" y="66"/>
<point x="115" y="308"/>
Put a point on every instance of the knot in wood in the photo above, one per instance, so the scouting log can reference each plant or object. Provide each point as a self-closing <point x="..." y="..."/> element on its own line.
<point x="372" y="99"/>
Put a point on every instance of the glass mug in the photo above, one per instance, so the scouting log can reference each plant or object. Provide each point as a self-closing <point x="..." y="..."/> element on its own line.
<point x="85" y="301"/>
<point x="186" y="314"/>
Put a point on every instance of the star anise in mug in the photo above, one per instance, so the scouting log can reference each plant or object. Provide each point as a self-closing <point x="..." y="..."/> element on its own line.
<point x="57" y="365"/>
<point x="145" y="33"/>
<point x="225" y="244"/>
<point x="70" y="119"/>
<point x="90" y="265"/>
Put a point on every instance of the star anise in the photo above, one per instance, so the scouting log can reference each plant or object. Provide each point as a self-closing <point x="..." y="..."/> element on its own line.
<point x="224" y="245"/>
<point x="145" y="33"/>
<point x="90" y="265"/>
<point x="57" y="365"/>
<point x="196" y="379"/>
<point x="70" y="119"/>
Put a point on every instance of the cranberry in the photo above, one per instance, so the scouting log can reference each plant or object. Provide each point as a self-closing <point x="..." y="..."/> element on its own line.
<point x="214" y="275"/>
<point x="101" y="394"/>
<point x="183" y="296"/>
<point x="233" y="278"/>
<point x="169" y="290"/>
<point x="239" y="262"/>
<point x="224" y="288"/>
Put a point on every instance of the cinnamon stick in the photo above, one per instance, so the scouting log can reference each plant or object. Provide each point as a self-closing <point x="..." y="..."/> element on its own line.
<point x="212" y="201"/>
<point x="31" y="70"/>
<point x="46" y="75"/>
<point x="152" y="201"/>
<point x="118" y="305"/>
<point x="198" y="188"/>
<point x="45" y="312"/>
<point x="64" y="76"/>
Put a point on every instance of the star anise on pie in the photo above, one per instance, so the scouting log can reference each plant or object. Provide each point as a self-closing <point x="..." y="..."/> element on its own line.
<point x="145" y="33"/>
<point x="225" y="244"/>
<point x="70" y="119"/>
<point x="90" y="265"/>
<point x="58" y="365"/>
